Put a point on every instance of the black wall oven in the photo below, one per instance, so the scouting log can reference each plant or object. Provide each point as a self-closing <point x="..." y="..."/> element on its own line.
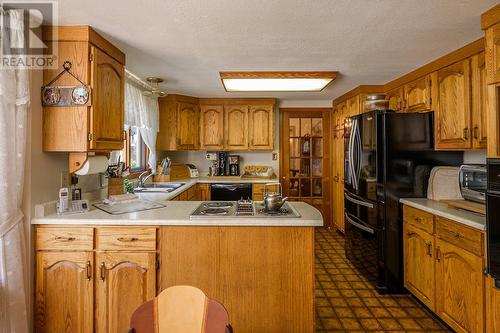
<point x="230" y="191"/>
<point x="493" y="217"/>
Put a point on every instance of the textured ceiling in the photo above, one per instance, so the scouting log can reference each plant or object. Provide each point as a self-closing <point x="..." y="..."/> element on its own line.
<point x="188" y="42"/>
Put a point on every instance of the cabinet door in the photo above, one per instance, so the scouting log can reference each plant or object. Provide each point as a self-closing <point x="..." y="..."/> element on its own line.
<point x="107" y="110"/>
<point x="493" y="53"/>
<point x="64" y="292"/>
<point x="453" y="106"/>
<point x="479" y="123"/>
<point x="492" y="306"/>
<point x="211" y="127"/>
<point x="187" y="126"/>
<point x="459" y="288"/>
<point x="353" y="107"/>
<point x="236" y="127"/>
<point x="417" y="95"/>
<point x="124" y="281"/>
<point x="261" y="127"/>
<point x="419" y="266"/>
<point x="396" y="99"/>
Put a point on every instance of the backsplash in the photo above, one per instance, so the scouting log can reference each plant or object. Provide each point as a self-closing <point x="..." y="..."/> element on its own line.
<point x="474" y="157"/>
<point x="198" y="159"/>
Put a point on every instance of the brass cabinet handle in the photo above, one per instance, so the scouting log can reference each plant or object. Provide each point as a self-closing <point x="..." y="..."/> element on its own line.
<point x="64" y="239"/>
<point x="89" y="270"/>
<point x="411" y="233"/>
<point x="418" y="219"/>
<point x="466" y="133"/>
<point x="103" y="268"/>
<point x="457" y="235"/>
<point x="476" y="133"/>
<point x="438" y="254"/>
<point x="125" y="239"/>
<point x="429" y="249"/>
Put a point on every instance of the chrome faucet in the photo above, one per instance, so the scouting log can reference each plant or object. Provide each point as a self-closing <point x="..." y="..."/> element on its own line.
<point x="143" y="178"/>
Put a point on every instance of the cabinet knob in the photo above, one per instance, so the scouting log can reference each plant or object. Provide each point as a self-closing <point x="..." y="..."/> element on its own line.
<point x="438" y="254"/>
<point x="466" y="133"/>
<point x="429" y="249"/>
<point x="476" y="132"/>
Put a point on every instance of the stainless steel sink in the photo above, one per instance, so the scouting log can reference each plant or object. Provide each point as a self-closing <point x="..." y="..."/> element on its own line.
<point x="158" y="188"/>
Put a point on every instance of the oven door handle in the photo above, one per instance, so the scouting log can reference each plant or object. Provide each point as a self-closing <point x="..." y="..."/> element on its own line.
<point x="359" y="225"/>
<point x="358" y="202"/>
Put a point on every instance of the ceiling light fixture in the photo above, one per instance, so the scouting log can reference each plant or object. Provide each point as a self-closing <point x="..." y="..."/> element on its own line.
<point x="276" y="81"/>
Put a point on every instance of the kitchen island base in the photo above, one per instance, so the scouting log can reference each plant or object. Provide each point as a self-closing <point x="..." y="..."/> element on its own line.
<point x="263" y="276"/>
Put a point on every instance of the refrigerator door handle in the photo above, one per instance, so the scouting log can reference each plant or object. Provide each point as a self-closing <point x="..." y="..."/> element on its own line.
<point x="350" y="156"/>
<point x="359" y="202"/>
<point x="358" y="150"/>
<point x="359" y="225"/>
<point x="352" y="165"/>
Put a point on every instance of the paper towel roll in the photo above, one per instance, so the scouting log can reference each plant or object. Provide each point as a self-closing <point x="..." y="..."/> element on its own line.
<point x="93" y="164"/>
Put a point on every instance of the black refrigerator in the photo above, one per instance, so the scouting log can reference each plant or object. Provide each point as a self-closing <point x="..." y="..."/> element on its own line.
<point x="388" y="156"/>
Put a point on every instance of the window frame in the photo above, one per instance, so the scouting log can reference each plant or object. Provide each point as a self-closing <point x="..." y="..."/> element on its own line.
<point x="134" y="173"/>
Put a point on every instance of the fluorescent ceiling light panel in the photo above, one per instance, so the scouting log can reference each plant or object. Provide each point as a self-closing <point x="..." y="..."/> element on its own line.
<point x="276" y="81"/>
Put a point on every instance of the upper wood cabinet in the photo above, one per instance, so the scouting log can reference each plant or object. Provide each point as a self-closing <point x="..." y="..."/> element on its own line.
<point x="212" y="127"/>
<point x="353" y="106"/>
<point x="187" y="126"/>
<point x="452" y="109"/>
<point x="106" y="116"/>
<point x="188" y="123"/>
<point x="417" y="95"/>
<point x="479" y="99"/>
<point x="64" y="292"/>
<point x="261" y="127"/>
<point x="99" y="64"/>
<point x="419" y="267"/>
<point x="396" y="99"/>
<point x="459" y="287"/>
<point x="179" y="123"/>
<point x="125" y="281"/>
<point x="493" y="52"/>
<point x="236" y="127"/>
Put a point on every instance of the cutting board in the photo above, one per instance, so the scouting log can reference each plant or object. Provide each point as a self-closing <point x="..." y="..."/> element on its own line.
<point x="128" y="207"/>
<point x="467" y="205"/>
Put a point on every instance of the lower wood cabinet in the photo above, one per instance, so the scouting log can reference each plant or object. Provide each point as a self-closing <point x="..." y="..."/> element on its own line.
<point x="419" y="268"/>
<point x="96" y="290"/>
<point x="459" y="288"/>
<point x="64" y="292"/>
<point x="124" y="281"/>
<point x="444" y="269"/>
<point x="492" y="306"/>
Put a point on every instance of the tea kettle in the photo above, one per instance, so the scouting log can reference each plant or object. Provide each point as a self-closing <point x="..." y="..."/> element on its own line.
<point x="273" y="200"/>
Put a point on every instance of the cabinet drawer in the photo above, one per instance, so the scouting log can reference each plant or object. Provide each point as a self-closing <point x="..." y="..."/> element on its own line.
<point x="462" y="236"/>
<point x="419" y="219"/>
<point x="65" y="239"/>
<point x="127" y="239"/>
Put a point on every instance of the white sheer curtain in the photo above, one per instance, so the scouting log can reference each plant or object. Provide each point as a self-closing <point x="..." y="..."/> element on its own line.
<point x="14" y="99"/>
<point x="142" y="111"/>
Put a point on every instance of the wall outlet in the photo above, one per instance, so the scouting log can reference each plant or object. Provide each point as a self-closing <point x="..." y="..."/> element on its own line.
<point x="275" y="156"/>
<point x="64" y="179"/>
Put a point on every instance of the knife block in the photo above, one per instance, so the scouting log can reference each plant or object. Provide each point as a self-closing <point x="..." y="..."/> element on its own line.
<point x="115" y="186"/>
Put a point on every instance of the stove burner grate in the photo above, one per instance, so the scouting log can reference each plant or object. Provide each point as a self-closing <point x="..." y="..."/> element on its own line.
<point x="214" y="211"/>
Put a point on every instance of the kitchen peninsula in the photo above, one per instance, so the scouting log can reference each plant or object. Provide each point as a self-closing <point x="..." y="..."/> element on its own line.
<point x="260" y="268"/>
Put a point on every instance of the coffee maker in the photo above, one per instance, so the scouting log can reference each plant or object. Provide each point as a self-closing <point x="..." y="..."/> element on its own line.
<point x="234" y="165"/>
<point x="221" y="164"/>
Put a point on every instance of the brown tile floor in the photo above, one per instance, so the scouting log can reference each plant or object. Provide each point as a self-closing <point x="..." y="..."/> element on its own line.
<point x="346" y="303"/>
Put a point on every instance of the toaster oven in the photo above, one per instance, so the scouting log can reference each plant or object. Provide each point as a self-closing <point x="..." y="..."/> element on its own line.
<point x="473" y="182"/>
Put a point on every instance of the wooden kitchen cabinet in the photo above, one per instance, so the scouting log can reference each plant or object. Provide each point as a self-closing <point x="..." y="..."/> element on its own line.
<point x="459" y="287"/>
<point x="187" y="126"/>
<point x="417" y="95"/>
<point x="261" y="127"/>
<point x="479" y="99"/>
<point x="236" y="127"/>
<point x="124" y="281"/>
<point x="492" y="306"/>
<point x="108" y="99"/>
<point x="396" y="99"/>
<point x="339" y="115"/>
<point x="492" y="36"/>
<point x="204" y="192"/>
<point x="64" y="299"/>
<point x="212" y="127"/>
<point x="179" y="123"/>
<point x="452" y="109"/>
<point x="419" y="265"/>
<point x="99" y="64"/>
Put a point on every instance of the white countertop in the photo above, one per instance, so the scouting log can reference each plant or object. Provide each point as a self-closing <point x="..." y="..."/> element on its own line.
<point x="434" y="207"/>
<point x="178" y="212"/>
